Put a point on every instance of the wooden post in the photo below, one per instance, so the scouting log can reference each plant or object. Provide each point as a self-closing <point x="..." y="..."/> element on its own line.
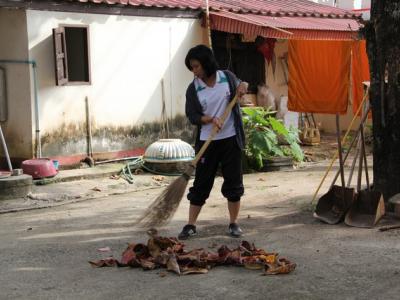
<point x="208" y="24"/>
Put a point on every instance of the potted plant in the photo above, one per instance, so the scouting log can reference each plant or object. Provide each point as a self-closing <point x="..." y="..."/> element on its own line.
<point x="268" y="140"/>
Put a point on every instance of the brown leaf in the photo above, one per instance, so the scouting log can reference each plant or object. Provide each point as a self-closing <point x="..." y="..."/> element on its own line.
<point x="154" y="249"/>
<point x="269" y="258"/>
<point x="212" y="258"/>
<point x="141" y="251"/>
<point x="282" y="266"/>
<point x="170" y="253"/>
<point x="108" y="262"/>
<point x="147" y="264"/>
<point x="235" y="257"/>
<point x="172" y="264"/>
<point x="162" y="259"/>
<point x="252" y="262"/>
<point x="158" y="178"/>
<point x="128" y="255"/>
<point x="178" y="248"/>
<point x="248" y="246"/>
<point x="194" y="270"/>
<point x="96" y="189"/>
<point x="223" y="253"/>
<point x="188" y="257"/>
<point x="165" y="243"/>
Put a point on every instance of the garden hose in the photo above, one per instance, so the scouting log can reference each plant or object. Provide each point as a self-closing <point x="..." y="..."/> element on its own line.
<point x="139" y="163"/>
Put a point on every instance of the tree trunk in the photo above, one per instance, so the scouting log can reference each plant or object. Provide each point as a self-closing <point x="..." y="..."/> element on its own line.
<point x="383" y="46"/>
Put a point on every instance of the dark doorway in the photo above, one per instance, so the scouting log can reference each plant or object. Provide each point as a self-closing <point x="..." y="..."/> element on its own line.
<point x="242" y="58"/>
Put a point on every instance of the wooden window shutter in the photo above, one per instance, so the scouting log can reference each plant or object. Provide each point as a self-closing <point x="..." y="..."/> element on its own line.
<point x="60" y="56"/>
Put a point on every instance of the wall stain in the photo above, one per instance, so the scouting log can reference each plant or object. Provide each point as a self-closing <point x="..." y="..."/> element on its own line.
<point x="71" y="139"/>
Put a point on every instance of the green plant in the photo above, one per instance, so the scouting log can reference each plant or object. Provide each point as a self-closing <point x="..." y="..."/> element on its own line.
<point x="264" y="133"/>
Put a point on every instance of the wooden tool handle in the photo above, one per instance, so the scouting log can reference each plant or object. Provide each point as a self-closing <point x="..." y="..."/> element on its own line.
<point x="343" y="140"/>
<point x="386" y="228"/>
<point x="214" y="131"/>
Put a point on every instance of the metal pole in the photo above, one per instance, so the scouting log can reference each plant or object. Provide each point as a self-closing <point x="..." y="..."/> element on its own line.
<point x="37" y="131"/>
<point x="3" y="141"/>
<point x="89" y="128"/>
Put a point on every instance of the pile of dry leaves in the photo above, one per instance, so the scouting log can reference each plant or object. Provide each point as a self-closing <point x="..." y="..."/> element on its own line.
<point x="169" y="253"/>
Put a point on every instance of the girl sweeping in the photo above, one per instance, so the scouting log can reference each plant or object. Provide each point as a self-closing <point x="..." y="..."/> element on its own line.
<point x="206" y="100"/>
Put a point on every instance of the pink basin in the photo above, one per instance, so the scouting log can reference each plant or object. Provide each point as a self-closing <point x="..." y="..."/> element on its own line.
<point x="39" y="168"/>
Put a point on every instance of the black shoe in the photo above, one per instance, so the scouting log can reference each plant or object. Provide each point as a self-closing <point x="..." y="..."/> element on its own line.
<point x="234" y="230"/>
<point x="187" y="231"/>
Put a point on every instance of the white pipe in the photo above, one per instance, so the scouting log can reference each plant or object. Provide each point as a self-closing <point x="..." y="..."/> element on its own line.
<point x="3" y="141"/>
<point x="36" y="98"/>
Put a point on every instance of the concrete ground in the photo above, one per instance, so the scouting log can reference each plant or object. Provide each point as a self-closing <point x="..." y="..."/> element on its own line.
<point x="45" y="252"/>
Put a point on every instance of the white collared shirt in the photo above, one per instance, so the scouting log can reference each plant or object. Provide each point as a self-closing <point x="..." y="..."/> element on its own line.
<point x="214" y="101"/>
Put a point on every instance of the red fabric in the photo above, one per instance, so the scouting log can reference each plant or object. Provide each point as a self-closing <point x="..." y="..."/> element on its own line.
<point x="266" y="48"/>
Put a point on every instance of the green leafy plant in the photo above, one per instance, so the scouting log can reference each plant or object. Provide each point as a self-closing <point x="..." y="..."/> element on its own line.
<point x="264" y="134"/>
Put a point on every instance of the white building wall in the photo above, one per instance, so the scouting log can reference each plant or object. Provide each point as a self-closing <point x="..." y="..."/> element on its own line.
<point x="14" y="46"/>
<point x="128" y="55"/>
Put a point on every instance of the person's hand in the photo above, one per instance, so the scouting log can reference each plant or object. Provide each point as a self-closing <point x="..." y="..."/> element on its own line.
<point x="206" y="119"/>
<point x="242" y="89"/>
<point x="217" y="122"/>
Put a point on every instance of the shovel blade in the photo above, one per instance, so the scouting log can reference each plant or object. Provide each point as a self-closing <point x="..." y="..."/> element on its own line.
<point x="367" y="209"/>
<point x="332" y="207"/>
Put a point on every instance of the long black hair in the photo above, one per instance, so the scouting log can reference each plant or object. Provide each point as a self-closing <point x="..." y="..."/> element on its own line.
<point x="206" y="58"/>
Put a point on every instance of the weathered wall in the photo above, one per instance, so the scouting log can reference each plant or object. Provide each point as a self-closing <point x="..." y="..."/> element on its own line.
<point x="129" y="57"/>
<point x="276" y="80"/>
<point x="14" y="46"/>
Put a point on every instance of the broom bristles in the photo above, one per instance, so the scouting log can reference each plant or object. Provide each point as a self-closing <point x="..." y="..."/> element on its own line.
<point x="165" y="205"/>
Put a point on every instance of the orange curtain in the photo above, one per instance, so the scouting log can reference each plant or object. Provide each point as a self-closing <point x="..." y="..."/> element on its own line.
<point x="319" y="76"/>
<point x="360" y="72"/>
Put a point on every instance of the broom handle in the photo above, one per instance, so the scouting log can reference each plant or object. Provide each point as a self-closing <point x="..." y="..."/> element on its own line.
<point x="348" y="153"/>
<point x="214" y="131"/>
<point x="343" y="140"/>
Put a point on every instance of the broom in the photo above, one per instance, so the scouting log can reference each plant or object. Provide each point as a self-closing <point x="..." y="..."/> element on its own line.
<point x="165" y="205"/>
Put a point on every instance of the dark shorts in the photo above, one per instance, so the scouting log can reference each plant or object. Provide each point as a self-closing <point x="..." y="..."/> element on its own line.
<point x="226" y="154"/>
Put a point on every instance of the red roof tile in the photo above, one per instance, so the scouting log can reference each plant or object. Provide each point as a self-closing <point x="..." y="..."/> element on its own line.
<point x="294" y="22"/>
<point x="285" y="27"/>
<point x="300" y="8"/>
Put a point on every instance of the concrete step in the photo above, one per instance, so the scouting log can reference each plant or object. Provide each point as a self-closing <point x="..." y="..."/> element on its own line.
<point x="15" y="186"/>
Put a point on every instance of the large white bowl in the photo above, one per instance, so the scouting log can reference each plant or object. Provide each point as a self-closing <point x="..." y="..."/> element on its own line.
<point x="169" y="151"/>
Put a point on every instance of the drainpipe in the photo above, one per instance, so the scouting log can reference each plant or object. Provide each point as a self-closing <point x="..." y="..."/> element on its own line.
<point x="3" y="142"/>
<point x="37" y="131"/>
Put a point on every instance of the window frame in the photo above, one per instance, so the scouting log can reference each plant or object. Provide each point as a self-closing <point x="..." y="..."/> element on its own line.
<point x="64" y="81"/>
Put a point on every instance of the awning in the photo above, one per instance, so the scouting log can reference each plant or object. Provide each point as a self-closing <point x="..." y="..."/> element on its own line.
<point x="297" y="28"/>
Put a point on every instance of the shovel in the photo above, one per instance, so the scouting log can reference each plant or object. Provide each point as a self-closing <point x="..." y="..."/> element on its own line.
<point x="369" y="206"/>
<point x="332" y="207"/>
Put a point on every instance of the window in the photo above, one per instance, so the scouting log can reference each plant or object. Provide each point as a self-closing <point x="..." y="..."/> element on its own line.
<point x="71" y="54"/>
